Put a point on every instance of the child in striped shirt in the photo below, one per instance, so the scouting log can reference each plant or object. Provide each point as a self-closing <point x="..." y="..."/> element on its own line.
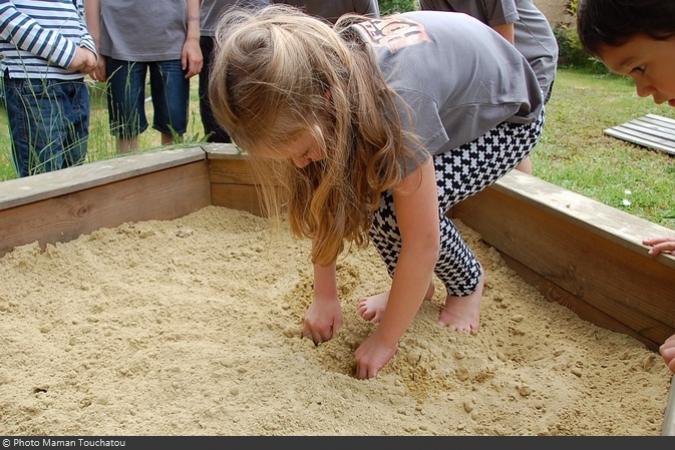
<point x="46" y="50"/>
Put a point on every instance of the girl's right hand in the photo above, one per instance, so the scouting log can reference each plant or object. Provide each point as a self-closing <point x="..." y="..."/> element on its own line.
<point x="322" y="320"/>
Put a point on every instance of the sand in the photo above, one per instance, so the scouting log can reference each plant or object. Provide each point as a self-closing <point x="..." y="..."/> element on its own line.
<point x="192" y="327"/>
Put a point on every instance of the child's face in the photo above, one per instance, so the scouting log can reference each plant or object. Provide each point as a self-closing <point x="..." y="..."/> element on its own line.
<point x="301" y="151"/>
<point x="650" y="62"/>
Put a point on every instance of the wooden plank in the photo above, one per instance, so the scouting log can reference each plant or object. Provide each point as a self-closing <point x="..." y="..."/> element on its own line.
<point x="223" y="151"/>
<point x="236" y="196"/>
<point x="584" y="310"/>
<point x="668" y="427"/>
<point x="588" y="249"/>
<point x="631" y="130"/>
<point x="649" y="130"/>
<point x="231" y="170"/>
<point x="44" y="186"/>
<point x="657" y="124"/>
<point x="630" y="136"/>
<point x="663" y="119"/>
<point x="165" y="194"/>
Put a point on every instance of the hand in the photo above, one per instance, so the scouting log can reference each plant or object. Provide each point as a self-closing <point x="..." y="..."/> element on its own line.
<point x="667" y="350"/>
<point x="84" y="61"/>
<point x="191" y="57"/>
<point x="322" y="321"/>
<point x="661" y="245"/>
<point x="372" y="355"/>
<point x="99" y="73"/>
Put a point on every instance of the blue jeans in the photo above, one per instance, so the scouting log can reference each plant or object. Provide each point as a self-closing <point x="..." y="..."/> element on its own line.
<point x="49" y="123"/>
<point x="126" y="97"/>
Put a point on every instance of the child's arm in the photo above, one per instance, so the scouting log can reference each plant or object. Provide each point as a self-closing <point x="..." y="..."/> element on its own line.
<point x="661" y="245"/>
<point x="86" y="41"/>
<point x="191" y="56"/>
<point x="416" y="204"/>
<point x="668" y="352"/>
<point x="92" y="9"/>
<point x="28" y="35"/>
<point x="507" y="31"/>
<point x="323" y="318"/>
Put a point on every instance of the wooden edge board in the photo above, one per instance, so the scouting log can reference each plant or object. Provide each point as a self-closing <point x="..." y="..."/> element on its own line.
<point x="668" y="428"/>
<point x="161" y="195"/>
<point x="223" y="151"/>
<point x="620" y="227"/>
<point x="32" y="189"/>
<point x="584" y="310"/>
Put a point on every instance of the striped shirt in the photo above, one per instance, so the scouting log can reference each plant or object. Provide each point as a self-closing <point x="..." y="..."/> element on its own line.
<point x="38" y="38"/>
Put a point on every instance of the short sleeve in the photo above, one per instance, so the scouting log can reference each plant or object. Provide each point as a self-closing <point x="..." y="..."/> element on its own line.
<point x="419" y="116"/>
<point x="500" y="12"/>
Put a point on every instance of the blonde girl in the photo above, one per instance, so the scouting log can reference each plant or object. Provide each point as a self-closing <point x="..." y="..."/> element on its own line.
<point x="376" y="127"/>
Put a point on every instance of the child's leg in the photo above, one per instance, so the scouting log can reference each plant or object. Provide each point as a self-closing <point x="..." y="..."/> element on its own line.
<point x="170" y="97"/>
<point x="386" y="238"/>
<point x="77" y="116"/>
<point x="126" y="102"/>
<point x="461" y="173"/>
<point x="38" y="124"/>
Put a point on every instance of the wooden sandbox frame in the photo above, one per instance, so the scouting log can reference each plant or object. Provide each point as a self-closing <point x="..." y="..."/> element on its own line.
<point x="576" y="251"/>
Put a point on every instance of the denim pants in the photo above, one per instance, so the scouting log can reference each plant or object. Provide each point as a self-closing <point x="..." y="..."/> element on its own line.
<point x="126" y="97"/>
<point x="49" y="123"/>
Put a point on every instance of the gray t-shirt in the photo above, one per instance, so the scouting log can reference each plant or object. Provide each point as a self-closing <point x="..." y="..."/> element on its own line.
<point x="333" y="9"/>
<point x="533" y="35"/>
<point x="133" y="30"/>
<point x="459" y="77"/>
<point x="212" y="10"/>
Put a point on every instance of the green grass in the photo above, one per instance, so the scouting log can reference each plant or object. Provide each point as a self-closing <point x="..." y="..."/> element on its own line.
<point x="576" y="155"/>
<point x="573" y="152"/>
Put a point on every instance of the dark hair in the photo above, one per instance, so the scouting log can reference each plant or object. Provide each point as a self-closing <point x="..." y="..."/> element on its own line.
<point x="613" y="22"/>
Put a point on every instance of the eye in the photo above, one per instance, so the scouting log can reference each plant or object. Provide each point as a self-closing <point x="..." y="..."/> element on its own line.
<point x="639" y="69"/>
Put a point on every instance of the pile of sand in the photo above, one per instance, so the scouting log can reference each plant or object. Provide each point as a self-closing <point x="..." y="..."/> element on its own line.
<point x="192" y="327"/>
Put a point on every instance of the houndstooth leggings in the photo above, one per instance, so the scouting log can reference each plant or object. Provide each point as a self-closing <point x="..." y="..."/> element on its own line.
<point x="460" y="173"/>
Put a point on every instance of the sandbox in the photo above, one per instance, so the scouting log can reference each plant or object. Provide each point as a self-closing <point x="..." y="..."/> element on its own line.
<point x="191" y="324"/>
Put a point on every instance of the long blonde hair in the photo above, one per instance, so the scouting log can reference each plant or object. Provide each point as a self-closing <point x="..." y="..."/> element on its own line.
<point x="278" y="72"/>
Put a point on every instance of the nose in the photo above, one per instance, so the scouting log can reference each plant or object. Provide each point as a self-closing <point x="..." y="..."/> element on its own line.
<point x="644" y="89"/>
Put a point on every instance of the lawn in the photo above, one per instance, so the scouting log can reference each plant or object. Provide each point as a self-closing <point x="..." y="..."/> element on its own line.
<point x="573" y="152"/>
<point x="576" y="155"/>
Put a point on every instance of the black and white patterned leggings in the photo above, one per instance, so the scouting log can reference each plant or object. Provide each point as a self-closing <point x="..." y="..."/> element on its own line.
<point x="460" y="173"/>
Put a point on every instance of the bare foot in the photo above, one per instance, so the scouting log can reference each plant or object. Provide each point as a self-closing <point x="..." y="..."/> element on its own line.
<point x="463" y="313"/>
<point x="371" y="308"/>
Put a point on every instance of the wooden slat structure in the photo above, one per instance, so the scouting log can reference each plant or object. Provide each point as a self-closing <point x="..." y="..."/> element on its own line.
<point x="577" y="251"/>
<point x="652" y="131"/>
<point x="60" y="206"/>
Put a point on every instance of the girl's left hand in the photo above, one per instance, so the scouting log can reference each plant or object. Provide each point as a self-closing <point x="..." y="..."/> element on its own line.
<point x="372" y="355"/>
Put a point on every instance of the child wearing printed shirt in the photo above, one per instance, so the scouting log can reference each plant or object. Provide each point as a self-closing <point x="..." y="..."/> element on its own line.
<point x="377" y="128"/>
